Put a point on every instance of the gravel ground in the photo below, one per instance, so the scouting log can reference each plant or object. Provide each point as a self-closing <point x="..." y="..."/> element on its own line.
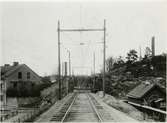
<point x="117" y="115"/>
<point x="123" y="107"/>
<point x="46" y="116"/>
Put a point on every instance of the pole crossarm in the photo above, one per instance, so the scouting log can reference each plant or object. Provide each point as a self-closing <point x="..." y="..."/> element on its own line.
<point x="80" y="30"/>
<point x="80" y="67"/>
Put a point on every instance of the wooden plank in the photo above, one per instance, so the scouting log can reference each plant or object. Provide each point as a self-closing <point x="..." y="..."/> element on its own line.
<point x="148" y="107"/>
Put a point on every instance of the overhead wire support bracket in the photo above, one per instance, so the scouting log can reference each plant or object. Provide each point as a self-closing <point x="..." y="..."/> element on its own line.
<point x="80" y="30"/>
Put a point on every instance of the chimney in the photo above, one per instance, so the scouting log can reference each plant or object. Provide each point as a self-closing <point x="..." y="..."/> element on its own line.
<point x="140" y="58"/>
<point x="15" y="63"/>
<point x="153" y="46"/>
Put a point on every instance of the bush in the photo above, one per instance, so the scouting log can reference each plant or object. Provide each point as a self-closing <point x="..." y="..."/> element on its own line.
<point x="26" y="90"/>
<point x="159" y="63"/>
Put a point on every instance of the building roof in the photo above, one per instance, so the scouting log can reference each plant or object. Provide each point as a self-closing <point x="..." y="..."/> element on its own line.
<point x="7" y="70"/>
<point x="142" y="89"/>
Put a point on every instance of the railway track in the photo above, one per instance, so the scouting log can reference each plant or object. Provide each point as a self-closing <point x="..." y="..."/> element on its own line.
<point x="105" y="116"/>
<point x="80" y="108"/>
<point x="59" y="116"/>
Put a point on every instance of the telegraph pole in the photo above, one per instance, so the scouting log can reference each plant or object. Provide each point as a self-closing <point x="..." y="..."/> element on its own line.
<point x="59" y="61"/>
<point x="65" y="75"/>
<point x="104" y="57"/>
<point x="69" y="57"/>
<point x="94" y="70"/>
<point x="94" y="63"/>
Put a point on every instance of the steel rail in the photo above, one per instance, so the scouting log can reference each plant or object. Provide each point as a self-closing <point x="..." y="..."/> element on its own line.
<point x="94" y="108"/>
<point x="68" y="109"/>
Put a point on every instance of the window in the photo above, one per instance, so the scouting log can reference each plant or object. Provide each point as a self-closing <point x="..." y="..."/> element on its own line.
<point x="32" y="84"/>
<point x="20" y="75"/>
<point x="28" y="75"/>
<point x="15" y="84"/>
<point x="1" y="98"/>
<point x="1" y="86"/>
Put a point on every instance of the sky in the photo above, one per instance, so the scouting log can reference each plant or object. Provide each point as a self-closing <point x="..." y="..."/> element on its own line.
<point x="29" y="32"/>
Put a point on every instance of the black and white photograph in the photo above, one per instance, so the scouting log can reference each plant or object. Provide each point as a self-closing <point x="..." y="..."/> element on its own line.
<point x="83" y="61"/>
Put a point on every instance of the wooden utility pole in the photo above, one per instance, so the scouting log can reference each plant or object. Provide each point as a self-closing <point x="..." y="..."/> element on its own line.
<point x="65" y="76"/>
<point x="69" y="58"/>
<point x="59" y="61"/>
<point x="94" y="63"/>
<point x="104" y="58"/>
<point x="94" y="70"/>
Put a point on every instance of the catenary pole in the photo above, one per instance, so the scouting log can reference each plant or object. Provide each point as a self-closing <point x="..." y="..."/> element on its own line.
<point x="94" y="70"/>
<point x="104" y="46"/>
<point x="59" y="61"/>
<point x="104" y="57"/>
<point x="69" y="56"/>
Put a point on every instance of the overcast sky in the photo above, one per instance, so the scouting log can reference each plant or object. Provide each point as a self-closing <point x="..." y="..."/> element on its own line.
<point x="29" y="32"/>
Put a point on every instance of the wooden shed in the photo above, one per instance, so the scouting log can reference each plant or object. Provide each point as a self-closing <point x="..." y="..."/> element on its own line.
<point x="151" y="94"/>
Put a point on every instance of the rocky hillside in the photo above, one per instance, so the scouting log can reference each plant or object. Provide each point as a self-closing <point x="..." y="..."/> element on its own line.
<point x="123" y="78"/>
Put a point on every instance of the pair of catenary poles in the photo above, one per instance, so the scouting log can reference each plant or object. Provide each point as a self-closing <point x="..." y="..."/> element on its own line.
<point x="81" y="30"/>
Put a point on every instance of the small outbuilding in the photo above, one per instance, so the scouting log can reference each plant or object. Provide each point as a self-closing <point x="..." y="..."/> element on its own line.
<point x="150" y="94"/>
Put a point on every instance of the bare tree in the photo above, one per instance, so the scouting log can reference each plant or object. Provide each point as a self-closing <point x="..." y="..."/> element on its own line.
<point x="109" y="63"/>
